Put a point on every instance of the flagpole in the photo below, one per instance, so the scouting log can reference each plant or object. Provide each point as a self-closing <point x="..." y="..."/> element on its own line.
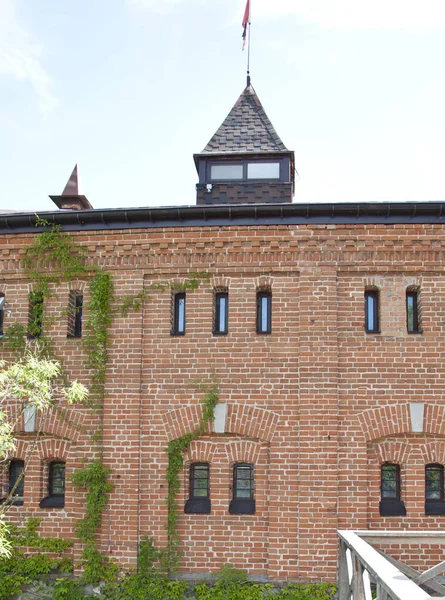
<point x="248" y="45"/>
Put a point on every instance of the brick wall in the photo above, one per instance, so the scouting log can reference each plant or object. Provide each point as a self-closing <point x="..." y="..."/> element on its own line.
<point x="316" y="405"/>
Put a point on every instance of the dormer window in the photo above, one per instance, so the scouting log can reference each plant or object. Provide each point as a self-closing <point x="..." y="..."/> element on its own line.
<point x="263" y="170"/>
<point x="226" y="172"/>
<point x="246" y="171"/>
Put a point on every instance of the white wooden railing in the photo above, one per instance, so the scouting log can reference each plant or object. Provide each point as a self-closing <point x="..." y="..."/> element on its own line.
<point x="361" y="565"/>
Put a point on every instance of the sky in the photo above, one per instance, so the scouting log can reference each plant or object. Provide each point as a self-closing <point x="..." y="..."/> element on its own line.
<point x="131" y="89"/>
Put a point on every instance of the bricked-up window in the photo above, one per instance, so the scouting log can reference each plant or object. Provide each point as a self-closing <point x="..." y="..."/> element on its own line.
<point x="16" y="483"/>
<point x="434" y="489"/>
<point x="2" y="312"/>
<point x="199" y="489"/>
<point x="412" y="311"/>
<point x="390" y="490"/>
<point x="35" y="319"/>
<point x="56" y="486"/>
<point x="178" y="314"/>
<point x="221" y="324"/>
<point x="75" y="309"/>
<point x="372" y="298"/>
<point x="243" y="500"/>
<point x="264" y="312"/>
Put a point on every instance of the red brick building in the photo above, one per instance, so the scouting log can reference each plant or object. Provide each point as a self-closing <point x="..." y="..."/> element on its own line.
<point x="323" y="326"/>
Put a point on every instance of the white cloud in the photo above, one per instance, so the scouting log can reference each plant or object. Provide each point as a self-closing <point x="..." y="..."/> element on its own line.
<point x="408" y="15"/>
<point x="20" y="56"/>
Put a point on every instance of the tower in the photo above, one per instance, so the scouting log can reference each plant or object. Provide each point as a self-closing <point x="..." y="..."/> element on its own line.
<point x="245" y="162"/>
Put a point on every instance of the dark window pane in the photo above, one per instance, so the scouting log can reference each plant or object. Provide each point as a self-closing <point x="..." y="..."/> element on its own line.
<point x="199" y="481"/>
<point x="390" y="482"/>
<point x="243" y="483"/>
<point x="56" y="483"/>
<point x="78" y="316"/>
<point x="434" y="482"/>
<point x="412" y="312"/>
<point x="35" y="314"/>
<point x="2" y="312"/>
<point x="16" y="477"/>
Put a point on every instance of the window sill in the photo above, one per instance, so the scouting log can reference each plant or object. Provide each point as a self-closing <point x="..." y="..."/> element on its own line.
<point x="177" y="333"/>
<point x="52" y="502"/>
<point x="12" y="502"/>
<point x="197" y="506"/>
<point x="373" y="332"/>
<point x="242" y="506"/>
<point x="434" y="507"/>
<point x="414" y="332"/>
<point x="73" y="337"/>
<point x="392" y="508"/>
<point x="218" y="333"/>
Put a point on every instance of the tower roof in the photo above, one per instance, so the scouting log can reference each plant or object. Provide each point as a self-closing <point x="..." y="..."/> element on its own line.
<point x="246" y="129"/>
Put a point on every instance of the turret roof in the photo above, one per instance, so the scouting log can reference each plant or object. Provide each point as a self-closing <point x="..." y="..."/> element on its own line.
<point x="246" y="129"/>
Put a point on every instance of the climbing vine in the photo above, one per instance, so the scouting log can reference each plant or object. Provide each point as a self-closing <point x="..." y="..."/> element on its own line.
<point x="175" y="450"/>
<point x="54" y="257"/>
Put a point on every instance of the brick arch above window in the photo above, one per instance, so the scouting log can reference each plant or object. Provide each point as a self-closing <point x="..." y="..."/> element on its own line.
<point x="201" y="451"/>
<point x="433" y="452"/>
<point x="249" y="421"/>
<point x="243" y="451"/>
<point x="394" y="419"/>
<point x="53" y="450"/>
<point x="392" y="451"/>
<point x="385" y="421"/>
<point x="264" y="283"/>
<point x="68" y="426"/>
<point x="77" y="285"/>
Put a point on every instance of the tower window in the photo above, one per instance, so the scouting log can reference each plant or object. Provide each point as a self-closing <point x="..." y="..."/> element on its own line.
<point x="179" y="314"/>
<point x="264" y="312"/>
<point x="226" y="172"/>
<point x="264" y="170"/>
<point x="412" y="312"/>
<point x="243" y="501"/>
<point x="221" y="324"/>
<point x="390" y="491"/>
<point x="75" y="314"/>
<point x="434" y="490"/>
<point x="199" y="499"/>
<point x="2" y="312"/>
<point x="35" y="320"/>
<point x="372" y="311"/>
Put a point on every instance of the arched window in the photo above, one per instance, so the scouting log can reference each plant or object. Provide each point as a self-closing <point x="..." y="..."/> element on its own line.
<point x="199" y="489"/>
<point x="178" y="321"/>
<point x="412" y="311"/>
<point x="264" y="312"/>
<point x="75" y="307"/>
<point x="243" y="490"/>
<point x="372" y="311"/>
<point x="16" y="481"/>
<point x="434" y="489"/>
<point x="56" y="486"/>
<point x="390" y="491"/>
<point x="35" y="318"/>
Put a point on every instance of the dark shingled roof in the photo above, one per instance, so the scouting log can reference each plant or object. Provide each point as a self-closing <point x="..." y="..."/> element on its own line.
<point x="246" y="129"/>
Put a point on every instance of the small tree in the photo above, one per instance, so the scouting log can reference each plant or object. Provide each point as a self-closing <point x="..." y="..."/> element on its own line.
<point x="32" y="381"/>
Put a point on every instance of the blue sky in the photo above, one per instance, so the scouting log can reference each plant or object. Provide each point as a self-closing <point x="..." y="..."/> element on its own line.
<point x="130" y="89"/>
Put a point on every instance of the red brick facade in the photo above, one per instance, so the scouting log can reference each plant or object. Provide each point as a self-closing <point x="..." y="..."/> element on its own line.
<point x="316" y="406"/>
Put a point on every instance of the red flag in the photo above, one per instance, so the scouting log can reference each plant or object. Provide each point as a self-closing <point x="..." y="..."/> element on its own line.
<point x="246" y="22"/>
